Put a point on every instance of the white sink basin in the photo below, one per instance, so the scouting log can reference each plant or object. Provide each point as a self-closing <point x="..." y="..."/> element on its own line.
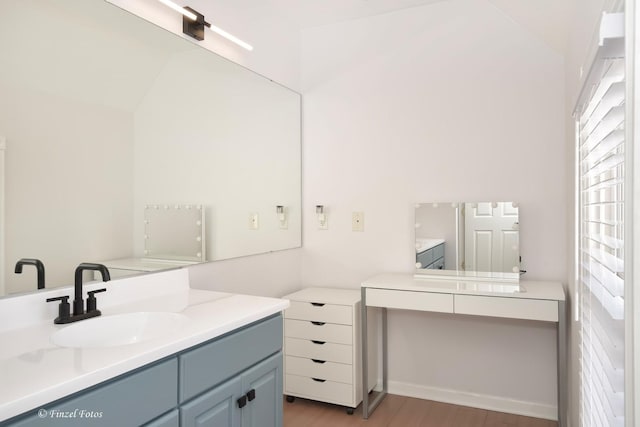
<point x="119" y="329"/>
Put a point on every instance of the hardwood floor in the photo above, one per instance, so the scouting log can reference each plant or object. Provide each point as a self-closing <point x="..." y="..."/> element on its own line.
<point x="399" y="411"/>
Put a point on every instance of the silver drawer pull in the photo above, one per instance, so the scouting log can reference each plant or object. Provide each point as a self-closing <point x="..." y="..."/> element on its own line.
<point x="318" y="361"/>
<point x="317" y="304"/>
<point x="318" y="323"/>
<point x="318" y="380"/>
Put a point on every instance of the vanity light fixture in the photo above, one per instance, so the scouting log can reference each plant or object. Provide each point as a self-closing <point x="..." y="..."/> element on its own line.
<point x="193" y="25"/>
<point x="179" y="9"/>
<point x="229" y="37"/>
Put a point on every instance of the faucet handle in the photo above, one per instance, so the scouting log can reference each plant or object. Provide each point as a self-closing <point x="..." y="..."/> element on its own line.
<point x="92" y="304"/>
<point x="64" y="309"/>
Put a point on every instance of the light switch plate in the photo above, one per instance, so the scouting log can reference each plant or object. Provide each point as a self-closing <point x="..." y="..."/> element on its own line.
<point x="357" y="221"/>
<point x="254" y="221"/>
<point x="323" y="222"/>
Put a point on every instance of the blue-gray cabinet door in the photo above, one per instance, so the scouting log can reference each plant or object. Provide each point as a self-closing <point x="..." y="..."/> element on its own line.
<point x="264" y="404"/>
<point x="215" y="408"/>
<point x="170" y="419"/>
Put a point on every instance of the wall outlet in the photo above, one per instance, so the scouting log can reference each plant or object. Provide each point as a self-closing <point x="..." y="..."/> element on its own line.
<point x="253" y="221"/>
<point x="357" y="221"/>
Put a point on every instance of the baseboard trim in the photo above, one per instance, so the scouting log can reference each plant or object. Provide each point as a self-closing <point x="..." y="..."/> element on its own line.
<point x="482" y="401"/>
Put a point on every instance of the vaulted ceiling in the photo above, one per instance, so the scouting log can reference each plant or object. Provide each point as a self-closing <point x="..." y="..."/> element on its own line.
<point x="547" y="19"/>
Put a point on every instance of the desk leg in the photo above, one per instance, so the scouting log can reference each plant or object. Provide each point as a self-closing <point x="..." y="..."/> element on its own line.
<point x="367" y="408"/>
<point x="562" y="362"/>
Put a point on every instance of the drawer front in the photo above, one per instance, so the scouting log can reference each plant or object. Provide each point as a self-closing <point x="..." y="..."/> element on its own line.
<point x="514" y="308"/>
<point x="438" y="265"/>
<point x="422" y="301"/>
<point x="322" y="351"/>
<point x="316" y="368"/>
<point x="155" y="387"/>
<point x="330" y="313"/>
<point x="438" y="251"/>
<point x="218" y="360"/>
<point x="326" y="391"/>
<point x="425" y="258"/>
<point x="319" y="331"/>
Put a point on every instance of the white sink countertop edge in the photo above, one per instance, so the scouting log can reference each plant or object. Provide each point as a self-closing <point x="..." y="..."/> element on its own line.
<point x="35" y="372"/>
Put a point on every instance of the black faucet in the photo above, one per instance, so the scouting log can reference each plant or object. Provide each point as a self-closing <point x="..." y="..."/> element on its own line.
<point x="78" y="302"/>
<point x="64" y="315"/>
<point x="35" y="262"/>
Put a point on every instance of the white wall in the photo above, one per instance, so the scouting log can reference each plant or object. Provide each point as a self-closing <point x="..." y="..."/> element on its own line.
<point x="274" y="274"/>
<point x="452" y="101"/>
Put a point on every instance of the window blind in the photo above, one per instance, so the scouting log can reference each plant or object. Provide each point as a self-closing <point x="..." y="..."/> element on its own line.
<point x="601" y="173"/>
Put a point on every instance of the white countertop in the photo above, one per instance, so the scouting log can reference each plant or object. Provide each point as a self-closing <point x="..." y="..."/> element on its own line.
<point x="34" y="372"/>
<point x="423" y="244"/>
<point x="525" y="289"/>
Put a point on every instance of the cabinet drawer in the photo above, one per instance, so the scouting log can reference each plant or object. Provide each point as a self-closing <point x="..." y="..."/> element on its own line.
<point x="438" y="265"/>
<point x="327" y="391"/>
<point x="438" y="251"/>
<point x="515" y="308"/>
<point x="218" y="360"/>
<point x="425" y="258"/>
<point x="317" y="368"/>
<point x="319" y="331"/>
<point x="322" y="350"/>
<point x="423" y="301"/>
<point x="330" y="313"/>
<point x="155" y="385"/>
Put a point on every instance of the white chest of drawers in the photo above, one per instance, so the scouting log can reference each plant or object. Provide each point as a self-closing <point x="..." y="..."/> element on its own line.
<point x="322" y="346"/>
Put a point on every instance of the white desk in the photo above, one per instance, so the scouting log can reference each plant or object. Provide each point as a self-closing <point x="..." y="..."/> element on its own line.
<point x="539" y="301"/>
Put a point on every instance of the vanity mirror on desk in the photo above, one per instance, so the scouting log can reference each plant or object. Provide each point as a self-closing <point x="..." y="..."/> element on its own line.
<point x="467" y="236"/>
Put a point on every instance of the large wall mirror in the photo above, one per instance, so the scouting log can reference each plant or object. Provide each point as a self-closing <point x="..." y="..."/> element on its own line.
<point x="106" y="115"/>
<point x="474" y="237"/>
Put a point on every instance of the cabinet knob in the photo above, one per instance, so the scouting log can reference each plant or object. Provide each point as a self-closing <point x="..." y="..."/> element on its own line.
<point x="318" y="361"/>
<point x="318" y="323"/>
<point x="318" y="342"/>
<point x="318" y="380"/>
<point x="251" y="394"/>
<point x="317" y="304"/>
<point x="242" y="402"/>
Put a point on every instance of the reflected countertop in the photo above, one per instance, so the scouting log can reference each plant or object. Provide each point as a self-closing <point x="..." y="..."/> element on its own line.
<point x="423" y="244"/>
<point x="34" y="372"/>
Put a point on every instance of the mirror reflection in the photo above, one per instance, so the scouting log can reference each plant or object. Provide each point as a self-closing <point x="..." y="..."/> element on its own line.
<point x="467" y="236"/>
<point x="104" y="115"/>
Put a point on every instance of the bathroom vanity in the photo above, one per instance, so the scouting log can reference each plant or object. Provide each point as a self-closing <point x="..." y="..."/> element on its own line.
<point x="218" y="357"/>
